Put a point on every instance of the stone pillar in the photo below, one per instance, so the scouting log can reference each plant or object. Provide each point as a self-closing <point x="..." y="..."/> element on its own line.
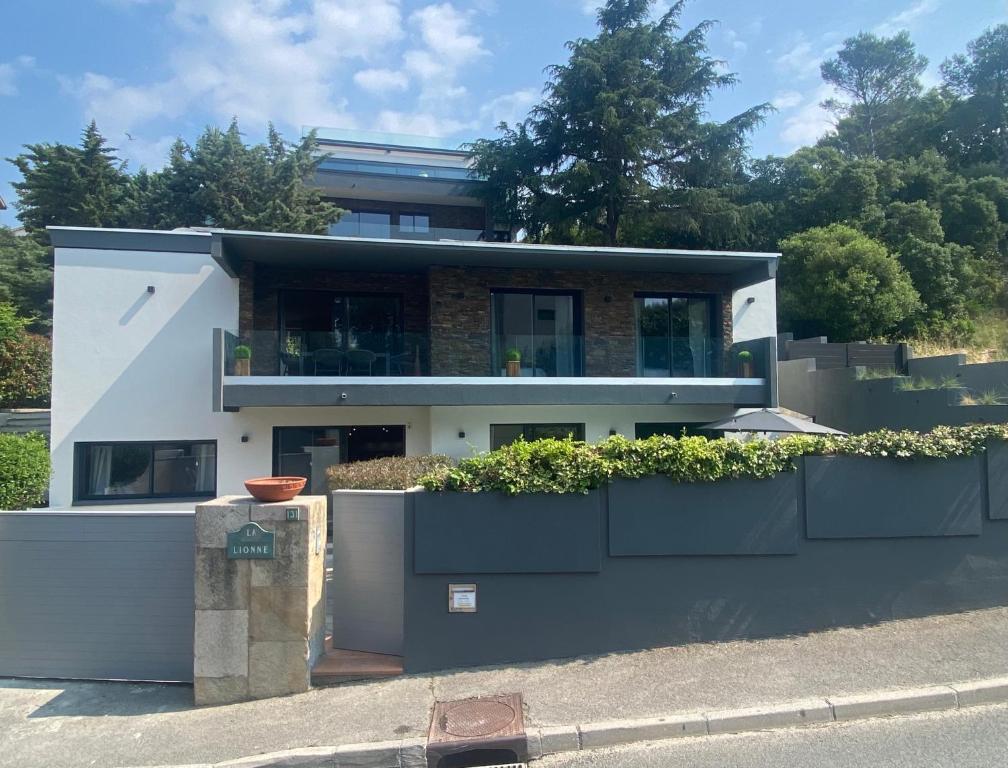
<point x="260" y="624"/>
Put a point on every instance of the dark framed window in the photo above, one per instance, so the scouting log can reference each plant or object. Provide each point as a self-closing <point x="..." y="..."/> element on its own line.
<point x="644" y="430"/>
<point x="310" y="451"/>
<point x="145" y="470"/>
<point x="505" y="434"/>
<point x="677" y="334"/>
<point x="543" y="325"/>
<point x="363" y="224"/>
<point x="414" y="222"/>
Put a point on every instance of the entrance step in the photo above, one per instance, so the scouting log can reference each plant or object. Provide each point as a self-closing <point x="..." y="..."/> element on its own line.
<point x="338" y="665"/>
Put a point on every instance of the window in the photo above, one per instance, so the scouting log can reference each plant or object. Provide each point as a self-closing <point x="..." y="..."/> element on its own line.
<point x="414" y="222"/>
<point x="543" y="326"/>
<point x="363" y="224"/>
<point x="340" y="334"/>
<point x="505" y="434"/>
<point x="675" y="335"/>
<point x="145" y="470"/>
<point x="309" y="451"/>
<point x="644" y="430"/>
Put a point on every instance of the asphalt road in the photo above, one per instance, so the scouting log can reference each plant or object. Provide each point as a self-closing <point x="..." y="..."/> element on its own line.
<point x="970" y="738"/>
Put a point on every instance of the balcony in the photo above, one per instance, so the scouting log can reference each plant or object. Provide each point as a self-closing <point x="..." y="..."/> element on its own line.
<point x="459" y="368"/>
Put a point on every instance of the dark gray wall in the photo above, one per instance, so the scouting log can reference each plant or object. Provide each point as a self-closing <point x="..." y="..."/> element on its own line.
<point x="656" y="516"/>
<point x="647" y="601"/>
<point x="856" y="497"/>
<point x="837" y="398"/>
<point x="97" y="595"/>
<point x="529" y="533"/>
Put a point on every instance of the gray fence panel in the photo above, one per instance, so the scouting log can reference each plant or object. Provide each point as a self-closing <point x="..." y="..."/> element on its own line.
<point x="367" y="585"/>
<point x="826" y="355"/>
<point x="96" y="595"/>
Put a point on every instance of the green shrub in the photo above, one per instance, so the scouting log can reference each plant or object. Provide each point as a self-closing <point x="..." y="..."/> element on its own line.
<point x="25" y="371"/>
<point x="242" y="352"/>
<point x="24" y="470"/>
<point x="395" y="473"/>
<point x="567" y="466"/>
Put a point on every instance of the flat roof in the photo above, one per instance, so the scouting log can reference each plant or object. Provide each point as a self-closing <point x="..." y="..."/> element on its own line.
<point x="232" y="248"/>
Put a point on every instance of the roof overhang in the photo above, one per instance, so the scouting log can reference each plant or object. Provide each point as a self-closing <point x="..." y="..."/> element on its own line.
<point x="232" y="249"/>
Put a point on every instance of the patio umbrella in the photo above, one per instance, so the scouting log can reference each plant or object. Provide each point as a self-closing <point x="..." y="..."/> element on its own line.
<point x="766" y="420"/>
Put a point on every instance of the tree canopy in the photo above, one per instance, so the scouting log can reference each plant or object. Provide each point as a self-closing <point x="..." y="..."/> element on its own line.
<point x="620" y="119"/>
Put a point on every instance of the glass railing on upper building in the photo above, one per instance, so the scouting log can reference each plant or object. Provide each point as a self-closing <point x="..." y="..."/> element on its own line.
<point x="458" y="353"/>
<point x="383" y="138"/>
<point x="354" y="228"/>
<point x="410" y="170"/>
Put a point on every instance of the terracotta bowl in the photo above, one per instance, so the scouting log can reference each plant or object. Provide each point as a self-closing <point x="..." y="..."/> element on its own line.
<point x="275" y="488"/>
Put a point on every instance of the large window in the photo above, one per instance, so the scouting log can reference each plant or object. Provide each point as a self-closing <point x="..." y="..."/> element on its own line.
<point x="543" y="326"/>
<point x="146" y="470"/>
<point x="309" y="451"/>
<point x="415" y="223"/>
<point x="505" y="434"/>
<point x="363" y="224"/>
<point x="675" y="335"/>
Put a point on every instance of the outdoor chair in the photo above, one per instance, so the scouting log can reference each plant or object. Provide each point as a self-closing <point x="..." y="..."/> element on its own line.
<point x="360" y="361"/>
<point x="328" y="362"/>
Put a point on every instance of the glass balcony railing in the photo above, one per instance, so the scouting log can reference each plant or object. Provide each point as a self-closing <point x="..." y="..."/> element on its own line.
<point x="397" y="232"/>
<point x="451" y="173"/>
<point x="381" y="353"/>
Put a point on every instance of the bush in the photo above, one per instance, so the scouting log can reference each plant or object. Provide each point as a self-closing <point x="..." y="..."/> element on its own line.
<point x="395" y="473"/>
<point x="24" y="470"/>
<point x="25" y="372"/>
<point x="566" y="466"/>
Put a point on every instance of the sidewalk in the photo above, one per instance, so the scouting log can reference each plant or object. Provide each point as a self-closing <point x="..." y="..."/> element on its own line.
<point x="56" y="724"/>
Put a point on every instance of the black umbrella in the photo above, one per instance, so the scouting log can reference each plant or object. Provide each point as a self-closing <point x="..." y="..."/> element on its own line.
<point x="769" y="421"/>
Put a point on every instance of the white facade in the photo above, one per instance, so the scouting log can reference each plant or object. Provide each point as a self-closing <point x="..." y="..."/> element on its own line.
<point x="133" y="361"/>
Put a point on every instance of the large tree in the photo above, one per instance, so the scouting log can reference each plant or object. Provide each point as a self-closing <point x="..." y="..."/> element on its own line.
<point x="620" y="119"/>
<point x="26" y="279"/>
<point x="839" y="282"/>
<point x="978" y="122"/>
<point x="219" y="181"/>
<point x="85" y="186"/>
<point x="877" y="74"/>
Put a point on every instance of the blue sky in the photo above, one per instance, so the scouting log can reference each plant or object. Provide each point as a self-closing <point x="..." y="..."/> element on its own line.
<point x="151" y="70"/>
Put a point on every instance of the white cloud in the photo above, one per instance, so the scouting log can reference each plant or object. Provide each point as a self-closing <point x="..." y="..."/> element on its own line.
<point x="906" y="18"/>
<point x="809" y="121"/>
<point x="510" y="108"/>
<point x="381" y="81"/>
<point x="8" y="86"/>
<point x="738" y="45"/>
<point x="787" y="99"/>
<point x="420" y="123"/>
<point x="801" y="61"/>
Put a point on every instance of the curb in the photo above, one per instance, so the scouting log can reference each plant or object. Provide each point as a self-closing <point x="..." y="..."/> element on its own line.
<point x="550" y="740"/>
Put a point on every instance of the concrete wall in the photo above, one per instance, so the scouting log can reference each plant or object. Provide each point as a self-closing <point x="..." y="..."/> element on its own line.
<point x="837" y="398"/>
<point x="102" y="595"/>
<point x="22" y="420"/>
<point x="661" y="583"/>
<point x="758" y="318"/>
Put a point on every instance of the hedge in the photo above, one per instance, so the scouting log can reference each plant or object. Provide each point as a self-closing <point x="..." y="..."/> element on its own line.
<point x="394" y="473"/>
<point x="566" y="466"/>
<point x="24" y="470"/>
<point x="25" y="372"/>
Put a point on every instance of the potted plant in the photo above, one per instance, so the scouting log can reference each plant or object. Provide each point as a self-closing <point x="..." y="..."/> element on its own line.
<point x="242" y="360"/>
<point x="745" y="364"/>
<point x="513" y="361"/>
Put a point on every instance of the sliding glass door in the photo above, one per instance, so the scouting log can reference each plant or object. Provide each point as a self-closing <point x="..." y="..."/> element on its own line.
<point x="330" y="334"/>
<point x="540" y="328"/>
<point x="676" y="336"/>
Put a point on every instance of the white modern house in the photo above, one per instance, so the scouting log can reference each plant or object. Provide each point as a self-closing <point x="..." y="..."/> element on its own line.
<point x="185" y="362"/>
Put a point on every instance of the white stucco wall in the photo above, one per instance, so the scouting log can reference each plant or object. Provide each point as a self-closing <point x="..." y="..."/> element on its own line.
<point x="131" y="365"/>
<point x="756" y="319"/>
<point x="447" y="422"/>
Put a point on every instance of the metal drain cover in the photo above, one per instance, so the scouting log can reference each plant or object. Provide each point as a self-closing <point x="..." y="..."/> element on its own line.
<point x="492" y="725"/>
<point x="476" y="717"/>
